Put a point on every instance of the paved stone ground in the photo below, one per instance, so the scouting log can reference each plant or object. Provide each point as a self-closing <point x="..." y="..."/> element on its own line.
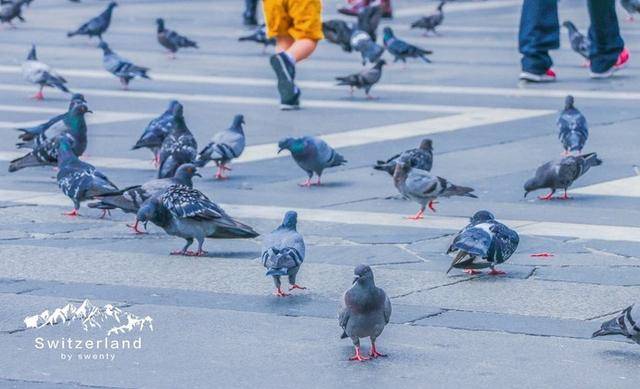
<point x="215" y="323"/>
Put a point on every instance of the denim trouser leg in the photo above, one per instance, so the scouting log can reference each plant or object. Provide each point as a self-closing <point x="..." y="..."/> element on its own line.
<point x="539" y="33"/>
<point x="250" y="8"/>
<point x="604" y="33"/>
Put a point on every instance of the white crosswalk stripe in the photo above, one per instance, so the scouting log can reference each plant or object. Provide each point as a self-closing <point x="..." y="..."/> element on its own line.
<point x="625" y="187"/>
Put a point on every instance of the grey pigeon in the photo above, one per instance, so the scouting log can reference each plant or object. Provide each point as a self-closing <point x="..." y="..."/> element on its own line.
<point x="41" y="74"/>
<point x="283" y="253"/>
<point x="259" y="36"/>
<point x="171" y="40"/>
<point x="365" y="79"/>
<point x="430" y="22"/>
<point x="187" y="213"/>
<point x="420" y="158"/>
<point x="44" y="145"/>
<point x="120" y="67"/>
<point x="29" y="134"/>
<point x="631" y="6"/>
<point x="485" y="242"/>
<point x="12" y="10"/>
<point x="402" y="50"/>
<point x="424" y="188"/>
<point x="362" y="43"/>
<point x="224" y="146"/>
<point x="572" y="128"/>
<point x="579" y="42"/>
<point x="130" y="200"/>
<point x="312" y="154"/>
<point x="79" y="180"/>
<point x="96" y="26"/>
<point x="158" y="129"/>
<point x="338" y="32"/>
<point x="627" y="324"/>
<point x="365" y="311"/>
<point x="177" y="148"/>
<point x="561" y="174"/>
<point x="369" y="20"/>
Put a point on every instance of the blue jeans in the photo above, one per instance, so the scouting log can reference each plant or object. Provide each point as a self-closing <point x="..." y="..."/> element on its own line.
<point x="540" y="32"/>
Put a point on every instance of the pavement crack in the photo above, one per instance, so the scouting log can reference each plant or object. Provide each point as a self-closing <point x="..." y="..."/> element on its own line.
<point x="531" y="273"/>
<point x="603" y="315"/>
<point x="350" y="202"/>
<point x="432" y="288"/>
<point x="412" y="322"/>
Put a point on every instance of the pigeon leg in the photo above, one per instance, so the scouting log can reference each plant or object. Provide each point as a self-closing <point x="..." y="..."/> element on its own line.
<point x="105" y="212"/>
<point x="184" y="250"/>
<point x="431" y="207"/>
<point x="124" y="83"/>
<point x="200" y="252"/>
<point x="564" y="196"/>
<point x="495" y="272"/>
<point x="629" y="18"/>
<point x="370" y="97"/>
<point x="358" y="356"/>
<point x="586" y="63"/>
<point x="472" y="272"/>
<point x="543" y="255"/>
<point x="318" y="183"/>
<point x="296" y="286"/>
<point x="135" y="228"/>
<point x="418" y="215"/>
<point x="547" y="197"/>
<point x="39" y="96"/>
<point x="306" y="183"/>
<point x="280" y="293"/>
<point x="374" y="351"/>
<point x="72" y="213"/>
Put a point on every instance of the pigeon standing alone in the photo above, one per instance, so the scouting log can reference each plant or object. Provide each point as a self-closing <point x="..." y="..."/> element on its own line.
<point x="283" y="252"/>
<point x="561" y="174"/>
<point x="178" y="147"/>
<point x="420" y="158"/>
<point x="430" y="22"/>
<point x="12" y="10"/>
<point x="224" y="146"/>
<point x="158" y="129"/>
<point x="627" y="324"/>
<point x="96" y="26"/>
<point x="579" y="42"/>
<point x="120" y="67"/>
<point x="486" y="239"/>
<point x="572" y="128"/>
<point x="631" y="6"/>
<point x="259" y="36"/>
<point x="171" y="40"/>
<point x="424" y="188"/>
<point x="402" y="50"/>
<point x="312" y="154"/>
<point x="365" y="79"/>
<point x="365" y="311"/>
<point x="187" y="213"/>
<point x="41" y="74"/>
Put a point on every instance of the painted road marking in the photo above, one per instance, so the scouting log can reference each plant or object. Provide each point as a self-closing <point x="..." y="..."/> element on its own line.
<point x="101" y="117"/>
<point x="624" y="187"/>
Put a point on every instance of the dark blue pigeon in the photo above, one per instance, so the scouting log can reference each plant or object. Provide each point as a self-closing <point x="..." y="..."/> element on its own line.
<point x="259" y="36"/>
<point x="402" y="50"/>
<point x="224" y="146"/>
<point x="120" y="67"/>
<point x="572" y="128"/>
<point x="171" y="40"/>
<point x="158" y="129"/>
<point x="12" y="10"/>
<point x="364" y="79"/>
<point x="580" y="43"/>
<point x="631" y="6"/>
<point x="626" y="323"/>
<point x="362" y="43"/>
<point x="312" y="154"/>
<point x="283" y="252"/>
<point x="56" y="123"/>
<point x="561" y="174"/>
<point x="338" y="32"/>
<point x="430" y="22"/>
<point x="179" y="147"/>
<point x="484" y="242"/>
<point x="96" y="26"/>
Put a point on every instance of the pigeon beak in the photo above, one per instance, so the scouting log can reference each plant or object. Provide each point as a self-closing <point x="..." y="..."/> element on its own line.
<point x="280" y="150"/>
<point x="89" y="111"/>
<point x="197" y="175"/>
<point x="355" y="279"/>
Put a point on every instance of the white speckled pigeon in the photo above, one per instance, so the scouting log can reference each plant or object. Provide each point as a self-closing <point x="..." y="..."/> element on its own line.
<point x="57" y="122"/>
<point x="120" y="67"/>
<point x="424" y="188"/>
<point x="96" y="26"/>
<point x="158" y="129"/>
<point x="561" y="174"/>
<point x="572" y="128"/>
<point x="362" y="43"/>
<point x="627" y="324"/>
<point x="430" y="22"/>
<point x="420" y="158"/>
<point x="41" y="74"/>
<point x="402" y="50"/>
<point x="224" y="146"/>
<point x="259" y="36"/>
<point x="484" y="242"/>
<point x="365" y="79"/>
<point x="631" y="6"/>
<point x="178" y="147"/>
<point x="312" y="154"/>
<point x="187" y="213"/>
<point x="283" y="252"/>
<point x="365" y="311"/>
<point x="171" y="40"/>
<point x="579" y="43"/>
<point x="12" y="10"/>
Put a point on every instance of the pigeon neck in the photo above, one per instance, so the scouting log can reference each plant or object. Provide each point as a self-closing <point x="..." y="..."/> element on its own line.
<point x="32" y="55"/>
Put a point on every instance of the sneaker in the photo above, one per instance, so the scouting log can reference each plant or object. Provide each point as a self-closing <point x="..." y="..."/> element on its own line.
<point x="548" y="76"/>
<point x="623" y="58"/>
<point x="293" y="104"/>
<point x="286" y="73"/>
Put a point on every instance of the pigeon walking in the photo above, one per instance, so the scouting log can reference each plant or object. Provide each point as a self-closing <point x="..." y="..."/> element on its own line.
<point x="224" y="146"/>
<point x="158" y="129"/>
<point x="12" y="10"/>
<point x="283" y="253"/>
<point x="259" y="36"/>
<point x="96" y="26"/>
<point x="41" y="74"/>
<point x="312" y="154"/>
<point x="187" y="213"/>
<point x="365" y="79"/>
<point x="631" y="6"/>
<point x="627" y="324"/>
<point x="171" y="40"/>
<point x="484" y="242"/>
<point x="579" y="42"/>
<point x="362" y="43"/>
<point x="430" y="22"/>
<point x="420" y="158"/>
<point x="402" y="50"/>
<point x="365" y="311"/>
<point x="120" y="67"/>
<point x="572" y="128"/>
<point x="424" y="188"/>
<point x="57" y="122"/>
<point x="179" y="147"/>
<point x="561" y="174"/>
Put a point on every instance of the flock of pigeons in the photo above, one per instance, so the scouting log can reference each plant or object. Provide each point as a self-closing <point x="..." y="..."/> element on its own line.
<point x="171" y="202"/>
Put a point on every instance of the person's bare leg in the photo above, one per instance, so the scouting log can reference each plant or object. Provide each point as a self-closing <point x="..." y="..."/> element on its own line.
<point x="301" y="49"/>
<point x="283" y="43"/>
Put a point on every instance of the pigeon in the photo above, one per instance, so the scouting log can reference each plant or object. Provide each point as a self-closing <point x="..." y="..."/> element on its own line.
<point x="484" y="242"/>
<point x="187" y="213"/>
<point x="312" y="154"/>
<point x="430" y="22"/>
<point x="120" y="67"/>
<point x="627" y="324"/>
<point x="631" y="6"/>
<point x="41" y="74"/>
<point x="12" y="10"/>
<point x="283" y="253"/>
<point x="259" y="36"/>
<point x="224" y="146"/>
<point x="177" y="148"/>
<point x="561" y="174"/>
<point x="29" y="134"/>
<point x="420" y="158"/>
<point x="402" y="50"/>
<point x="579" y="42"/>
<point x="130" y="199"/>
<point x="44" y="145"/>
<point x="96" y="26"/>
<point x="365" y="311"/>
<point x="338" y="32"/>
<point x="362" y="43"/>
<point x="158" y="129"/>
<point x="424" y="188"/>
<point x="171" y="40"/>
<point x="365" y="79"/>
<point x="369" y="20"/>
<point x="572" y="128"/>
<point x="79" y="180"/>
